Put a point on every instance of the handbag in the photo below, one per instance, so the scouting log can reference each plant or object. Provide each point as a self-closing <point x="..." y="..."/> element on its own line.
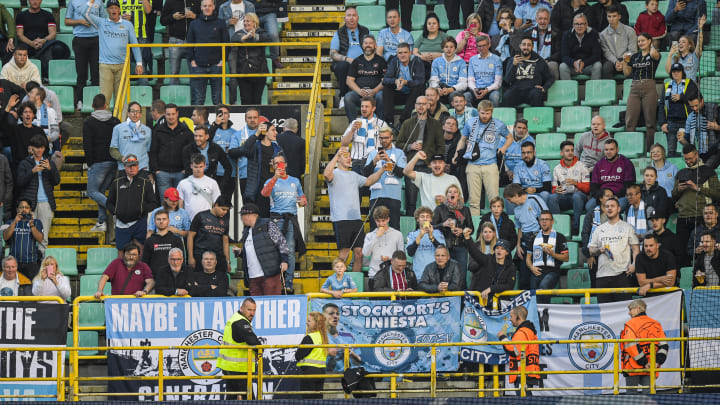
<point x="475" y="155"/>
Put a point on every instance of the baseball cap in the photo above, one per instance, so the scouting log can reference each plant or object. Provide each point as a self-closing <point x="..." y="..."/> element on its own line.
<point x="437" y="157"/>
<point x="172" y="194"/>
<point x="111" y="3"/>
<point x="651" y="213"/>
<point x="504" y="244"/>
<point x="249" y="208"/>
<point x="677" y="66"/>
<point x="131" y="160"/>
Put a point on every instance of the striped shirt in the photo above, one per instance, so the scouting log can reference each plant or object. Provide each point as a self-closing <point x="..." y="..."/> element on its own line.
<point x="696" y="128"/>
<point x="136" y="11"/>
<point x="365" y="139"/>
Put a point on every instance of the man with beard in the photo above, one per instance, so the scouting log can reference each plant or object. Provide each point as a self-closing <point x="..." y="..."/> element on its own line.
<point x="529" y="78"/>
<point x="365" y="78"/>
<point x="513" y="156"/>
<point x="336" y="364"/>
<point x="571" y="184"/>
<point x="386" y="192"/>
<point x="363" y="132"/>
<point x="668" y="240"/>
<point x="140" y="281"/>
<point x="160" y="243"/>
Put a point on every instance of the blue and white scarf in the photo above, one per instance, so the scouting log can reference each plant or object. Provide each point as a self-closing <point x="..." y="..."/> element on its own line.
<point x="596" y="221"/>
<point x="546" y="49"/>
<point x="636" y="218"/>
<point x="137" y="136"/>
<point x="539" y="257"/>
<point x="496" y="223"/>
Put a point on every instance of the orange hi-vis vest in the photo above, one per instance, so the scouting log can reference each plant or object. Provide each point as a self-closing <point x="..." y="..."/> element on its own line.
<point x="636" y="355"/>
<point x="525" y="332"/>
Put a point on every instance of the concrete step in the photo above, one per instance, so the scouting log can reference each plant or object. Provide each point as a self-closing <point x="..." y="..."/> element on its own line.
<point x="324" y="36"/>
<point x="294" y="11"/>
<point x="298" y="85"/>
<point x="61" y="236"/>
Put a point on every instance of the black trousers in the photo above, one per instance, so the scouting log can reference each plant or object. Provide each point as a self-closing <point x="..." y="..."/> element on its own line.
<point x="313" y="386"/>
<point x="405" y="8"/>
<point x="513" y="97"/>
<point x="251" y="90"/>
<point x="86" y="55"/>
<point x="393" y="205"/>
<point x="452" y="7"/>
<point x="341" y="71"/>
<point x="391" y="97"/>
<point x="411" y="193"/>
<point x="619" y="281"/>
<point x="29" y="270"/>
<point x="685" y="226"/>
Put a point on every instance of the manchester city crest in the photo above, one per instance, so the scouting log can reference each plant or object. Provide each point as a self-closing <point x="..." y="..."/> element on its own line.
<point x="200" y="361"/>
<point x="591" y="355"/>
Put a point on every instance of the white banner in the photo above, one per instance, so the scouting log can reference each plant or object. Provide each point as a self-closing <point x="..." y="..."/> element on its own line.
<point x="599" y="321"/>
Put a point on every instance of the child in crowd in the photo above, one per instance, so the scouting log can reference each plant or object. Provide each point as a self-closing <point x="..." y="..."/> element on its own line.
<point x="652" y="21"/>
<point x="339" y="284"/>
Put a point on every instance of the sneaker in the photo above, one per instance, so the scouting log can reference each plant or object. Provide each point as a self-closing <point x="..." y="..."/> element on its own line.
<point x="79" y="106"/>
<point x="342" y="103"/>
<point x="99" y="227"/>
<point x="277" y="65"/>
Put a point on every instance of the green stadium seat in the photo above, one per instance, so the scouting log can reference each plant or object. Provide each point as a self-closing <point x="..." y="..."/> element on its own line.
<point x="38" y="64"/>
<point x="373" y="17"/>
<point x="419" y="12"/>
<point x="407" y="225"/>
<point x="64" y="29"/>
<point x="547" y="145"/>
<point x="553" y="163"/>
<point x="359" y="278"/>
<point x="573" y="248"/>
<point x="631" y="144"/>
<point x="454" y="33"/>
<point x="177" y="94"/>
<point x="708" y="64"/>
<point x="626" y="90"/>
<point x="67" y="40"/>
<point x="142" y="94"/>
<point x="89" y="92"/>
<point x="10" y="4"/>
<point x="66" y="96"/>
<point x="184" y="70"/>
<point x="159" y="27"/>
<point x="660" y="73"/>
<point x="578" y="278"/>
<point x="86" y="338"/>
<point x="66" y="258"/>
<point x="562" y="224"/>
<point x="476" y="222"/>
<point x="575" y="119"/>
<point x="507" y="115"/>
<point x="50" y="4"/>
<point x="663" y="6"/>
<point x="361" y="2"/>
<point x="611" y="114"/>
<point x="99" y="258"/>
<point x="709" y="89"/>
<point x="562" y="93"/>
<point x="672" y="223"/>
<point x="599" y="93"/>
<point x="578" y="237"/>
<point x="686" y="278"/>
<point x="89" y="284"/>
<point x="540" y="119"/>
<point x="634" y="9"/>
<point x="639" y="164"/>
<point x="678" y="161"/>
<point x="561" y="300"/>
<point x="157" y="51"/>
<point x="264" y="99"/>
<point x="416" y="34"/>
<point x="714" y="44"/>
<point x="442" y="16"/>
<point x="92" y="314"/>
<point x="62" y="72"/>
<point x="233" y="264"/>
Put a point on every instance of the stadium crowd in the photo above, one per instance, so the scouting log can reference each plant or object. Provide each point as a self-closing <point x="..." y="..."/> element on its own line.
<point x="170" y="184"/>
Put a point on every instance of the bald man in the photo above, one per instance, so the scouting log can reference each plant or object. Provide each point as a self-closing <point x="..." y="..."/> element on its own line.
<point x="591" y="145"/>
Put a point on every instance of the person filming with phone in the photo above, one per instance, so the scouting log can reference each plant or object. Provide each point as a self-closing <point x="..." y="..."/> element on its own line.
<point x="50" y="281"/>
<point x="23" y="233"/>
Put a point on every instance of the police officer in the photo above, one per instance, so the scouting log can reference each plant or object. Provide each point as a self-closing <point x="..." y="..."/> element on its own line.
<point x="636" y="355"/>
<point x="237" y="336"/>
<point x="525" y="331"/>
<point x="313" y="360"/>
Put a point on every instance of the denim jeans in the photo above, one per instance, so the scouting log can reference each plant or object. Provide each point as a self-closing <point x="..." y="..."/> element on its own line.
<point x="100" y="175"/>
<point x="290" y="239"/>
<point x="165" y="180"/>
<point x="198" y="85"/>
<point x="174" y="55"/>
<point x="352" y="105"/>
<point x="575" y="201"/>
<point x="269" y="23"/>
<point x="546" y="281"/>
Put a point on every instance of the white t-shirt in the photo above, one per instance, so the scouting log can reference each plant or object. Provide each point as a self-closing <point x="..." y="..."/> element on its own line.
<point x="617" y="238"/>
<point x="9" y="288"/>
<point x="253" y="263"/>
<point x="431" y="185"/>
<point x="198" y="194"/>
<point x="238" y="11"/>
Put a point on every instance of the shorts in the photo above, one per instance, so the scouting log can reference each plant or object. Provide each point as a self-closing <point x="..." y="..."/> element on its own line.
<point x="123" y="236"/>
<point x="346" y="234"/>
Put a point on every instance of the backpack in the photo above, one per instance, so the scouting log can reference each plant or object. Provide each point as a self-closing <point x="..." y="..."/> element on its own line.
<point x="354" y="379"/>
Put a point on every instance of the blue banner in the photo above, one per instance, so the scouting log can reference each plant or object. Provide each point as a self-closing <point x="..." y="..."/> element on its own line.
<point x="408" y="321"/>
<point x="481" y="324"/>
<point x="197" y="322"/>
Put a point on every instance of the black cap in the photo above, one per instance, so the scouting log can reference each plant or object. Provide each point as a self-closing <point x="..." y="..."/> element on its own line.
<point x="437" y="157"/>
<point x="676" y="66"/>
<point x="249" y="208"/>
<point x="224" y="201"/>
<point x="651" y="213"/>
<point x="504" y="244"/>
<point x="111" y="3"/>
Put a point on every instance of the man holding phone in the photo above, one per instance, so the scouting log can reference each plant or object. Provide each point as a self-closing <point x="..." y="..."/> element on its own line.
<point x="23" y="233"/>
<point x="526" y="10"/>
<point x="682" y="18"/>
<point x="529" y="77"/>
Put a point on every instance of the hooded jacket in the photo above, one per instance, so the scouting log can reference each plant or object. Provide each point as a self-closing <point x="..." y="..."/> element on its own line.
<point x="17" y="75"/>
<point x="251" y="149"/>
<point x="657" y="198"/>
<point x="215" y="155"/>
<point x="530" y="73"/>
<point x="591" y="148"/>
<point x="452" y="73"/>
<point x="507" y="227"/>
<point x="597" y="19"/>
<point x="589" y="50"/>
<point x="179" y="28"/>
<point x="206" y="29"/>
<point x="97" y="134"/>
<point x="524" y="332"/>
<point x="417" y="71"/>
<point x="487" y="273"/>
<point x="689" y="202"/>
<point x="166" y="148"/>
<point x="27" y="182"/>
<point x="131" y="201"/>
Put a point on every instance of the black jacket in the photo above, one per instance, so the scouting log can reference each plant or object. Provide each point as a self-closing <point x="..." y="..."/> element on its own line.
<point x="167" y="284"/>
<point x="6" y="182"/>
<point x="267" y="252"/>
<point x="294" y="147"/>
<point x="263" y="7"/>
<point x="157" y="248"/>
<point x="453" y="275"/>
<point x="251" y="149"/>
<point x="464" y="220"/>
<point x="97" y="135"/>
<point x="598" y="16"/>
<point x="530" y="73"/>
<point x="216" y="155"/>
<point x="589" y="51"/>
<point x="670" y="242"/>
<point x="657" y="198"/>
<point x="669" y="110"/>
<point x="201" y="284"/>
<point x="417" y="71"/>
<point x="178" y="28"/>
<point x="17" y="136"/>
<point x="382" y="278"/>
<point x="700" y="266"/>
<point x="507" y="227"/>
<point x="487" y="11"/>
<point x="166" y="149"/>
<point x="487" y="273"/>
<point x="131" y="201"/>
<point x="27" y="182"/>
<point x="561" y="17"/>
<point x="206" y="29"/>
<point x="251" y="59"/>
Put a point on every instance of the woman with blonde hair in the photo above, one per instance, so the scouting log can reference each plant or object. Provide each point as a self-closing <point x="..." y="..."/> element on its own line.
<point x="50" y="281"/>
<point x="249" y="60"/>
<point x="450" y="218"/>
<point x="487" y="237"/>
<point x="312" y="360"/>
<point x="467" y="38"/>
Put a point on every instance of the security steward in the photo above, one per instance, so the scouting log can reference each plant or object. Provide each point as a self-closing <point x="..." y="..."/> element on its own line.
<point x="237" y="336"/>
<point x="636" y="355"/>
<point x="312" y="361"/>
<point x="525" y="331"/>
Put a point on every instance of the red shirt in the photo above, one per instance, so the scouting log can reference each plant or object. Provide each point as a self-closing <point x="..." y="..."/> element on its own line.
<point x="652" y="24"/>
<point x="117" y="272"/>
<point x="399" y="283"/>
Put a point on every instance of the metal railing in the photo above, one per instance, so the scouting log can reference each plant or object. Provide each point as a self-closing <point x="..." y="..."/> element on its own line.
<point x="123" y="93"/>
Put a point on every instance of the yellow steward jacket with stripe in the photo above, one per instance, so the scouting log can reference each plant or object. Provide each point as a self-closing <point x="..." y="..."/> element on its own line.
<point x="317" y="357"/>
<point x="237" y="336"/>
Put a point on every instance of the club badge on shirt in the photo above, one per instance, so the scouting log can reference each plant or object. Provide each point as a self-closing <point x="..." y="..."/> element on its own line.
<point x="137" y="272"/>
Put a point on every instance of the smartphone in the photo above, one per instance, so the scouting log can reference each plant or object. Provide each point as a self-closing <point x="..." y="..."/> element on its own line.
<point x="426" y="224"/>
<point x="50" y="269"/>
<point x="26" y="217"/>
<point x="281" y="165"/>
<point x="675" y="43"/>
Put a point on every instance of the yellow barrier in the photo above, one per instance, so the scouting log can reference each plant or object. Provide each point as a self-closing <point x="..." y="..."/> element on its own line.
<point x="123" y="95"/>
